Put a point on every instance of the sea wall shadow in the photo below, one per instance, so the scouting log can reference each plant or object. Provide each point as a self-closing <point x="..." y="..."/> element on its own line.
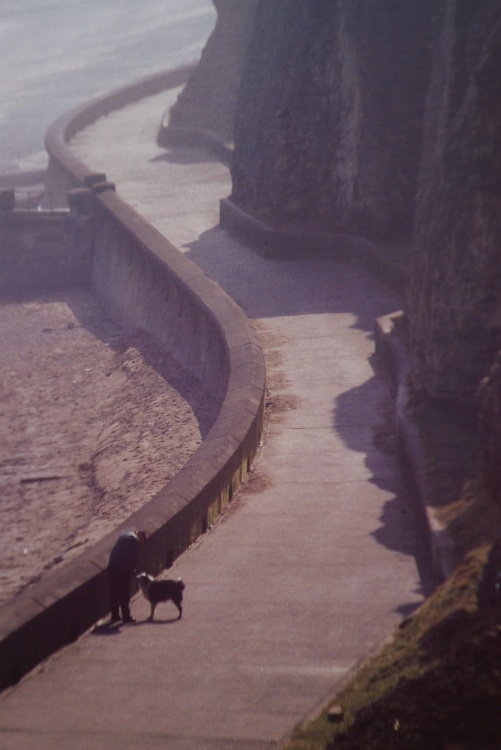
<point x="85" y="311"/>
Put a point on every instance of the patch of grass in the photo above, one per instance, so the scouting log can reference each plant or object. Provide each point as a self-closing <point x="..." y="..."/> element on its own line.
<point x="437" y="684"/>
<point x="437" y="681"/>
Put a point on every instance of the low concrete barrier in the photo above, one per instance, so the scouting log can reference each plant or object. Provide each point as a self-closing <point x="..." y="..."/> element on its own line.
<point x="24" y="179"/>
<point x="65" y="171"/>
<point x="392" y="353"/>
<point x="169" y="135"/>
<point x="145" y="283"/>
<point x="283" y="243"/>
<point x="43" y="250"/>
<point x="389" y="349"/>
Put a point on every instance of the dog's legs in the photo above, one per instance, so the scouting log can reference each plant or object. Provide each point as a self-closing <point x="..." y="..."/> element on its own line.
<point x="180" y="608"/>
<point x="150" y="618"/>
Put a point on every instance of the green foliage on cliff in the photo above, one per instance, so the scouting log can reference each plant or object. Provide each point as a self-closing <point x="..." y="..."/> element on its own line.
<point x="437" y="684"/>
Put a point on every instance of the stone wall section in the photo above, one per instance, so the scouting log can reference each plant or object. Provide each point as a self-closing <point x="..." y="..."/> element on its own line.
<point x="145" y="283"/>
<point x="43" y="250"/>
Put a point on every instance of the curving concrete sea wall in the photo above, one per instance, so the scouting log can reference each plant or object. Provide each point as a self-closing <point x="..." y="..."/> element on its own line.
<point x="144" y="282"/>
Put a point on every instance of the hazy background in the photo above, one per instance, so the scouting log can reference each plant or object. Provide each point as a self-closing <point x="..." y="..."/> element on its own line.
<point x="56" y="54"/>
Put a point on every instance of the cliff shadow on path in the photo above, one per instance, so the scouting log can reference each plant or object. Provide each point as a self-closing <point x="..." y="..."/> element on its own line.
<point x="267" y="287"/>
<point x="339" y="301"/>
<point x="402" y="526"/>
<point x="186" y="156"/>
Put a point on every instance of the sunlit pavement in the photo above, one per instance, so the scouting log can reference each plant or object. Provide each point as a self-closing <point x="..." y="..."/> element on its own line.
<point x="317" y="560"/>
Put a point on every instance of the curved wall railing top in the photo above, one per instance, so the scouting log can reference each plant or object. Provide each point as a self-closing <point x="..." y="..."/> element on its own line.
<point x="144" y="282"/>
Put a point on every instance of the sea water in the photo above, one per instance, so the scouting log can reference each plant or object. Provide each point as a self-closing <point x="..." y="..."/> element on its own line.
<point x="56" y="54"/>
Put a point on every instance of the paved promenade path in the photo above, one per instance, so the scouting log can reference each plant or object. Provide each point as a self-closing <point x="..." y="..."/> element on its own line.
<point x="317" y="559"/>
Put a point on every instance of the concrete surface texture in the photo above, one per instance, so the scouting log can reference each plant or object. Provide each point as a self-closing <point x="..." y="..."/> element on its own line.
<point x="318" y="558"/>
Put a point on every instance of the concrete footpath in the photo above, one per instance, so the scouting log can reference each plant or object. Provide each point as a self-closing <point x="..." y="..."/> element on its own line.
<point x="318" y="558"/>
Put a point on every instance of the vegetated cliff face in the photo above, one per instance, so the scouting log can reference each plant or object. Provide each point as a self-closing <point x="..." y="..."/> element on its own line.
<point x="379" y="118"/>
<point x="454" y="296"/>
<point x="329" y="114"/>
<point x="490" y="429"/>
<point x="209" y="98"/>
<point x="383" y="119"/>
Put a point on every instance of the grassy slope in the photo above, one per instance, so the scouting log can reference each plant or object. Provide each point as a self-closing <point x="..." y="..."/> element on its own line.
<point x="437" y="685"/>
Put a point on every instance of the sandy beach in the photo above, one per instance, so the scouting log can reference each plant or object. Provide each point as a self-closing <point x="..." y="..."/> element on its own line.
<point x="93" y="424"/>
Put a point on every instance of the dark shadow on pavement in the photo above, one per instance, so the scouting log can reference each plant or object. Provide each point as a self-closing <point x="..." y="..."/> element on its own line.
<point x="186" y="156"/>
<point x="168" y="621"/>
<point x="403" y="528"/>
<point x="274" y="287"/>
<point x="407" y="610"/>
<point x="267" y="287"/>
<point x="107" y="628"/>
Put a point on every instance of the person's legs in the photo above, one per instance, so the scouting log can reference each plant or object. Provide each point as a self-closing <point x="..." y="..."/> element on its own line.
<point x="119" y="594"/>
<point x="114" y="584"/>
<point x="125" y="598"/>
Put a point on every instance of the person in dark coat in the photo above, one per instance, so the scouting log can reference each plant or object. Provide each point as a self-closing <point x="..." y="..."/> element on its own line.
<point x="121" y="567"/>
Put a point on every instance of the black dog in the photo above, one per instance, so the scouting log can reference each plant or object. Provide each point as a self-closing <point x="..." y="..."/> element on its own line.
<point x="161" y="591"/>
